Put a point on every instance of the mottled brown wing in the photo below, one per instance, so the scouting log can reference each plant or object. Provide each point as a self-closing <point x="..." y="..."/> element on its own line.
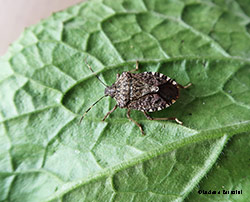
<point x="149" y="103"/>
<point x="168" y="89"/>
<point x="132" y="87"/>
<point x="152" y="78"/>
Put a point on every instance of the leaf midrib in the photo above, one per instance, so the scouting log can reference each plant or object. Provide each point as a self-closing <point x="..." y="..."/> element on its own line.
<point x="109" y="172"/>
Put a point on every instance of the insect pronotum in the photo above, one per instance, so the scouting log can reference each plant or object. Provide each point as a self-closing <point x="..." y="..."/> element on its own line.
<point x="146" y="92"/>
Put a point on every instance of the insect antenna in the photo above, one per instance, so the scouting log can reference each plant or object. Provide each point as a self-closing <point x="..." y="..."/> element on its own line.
<point x="90" y="108"/>
<point x="95" y="74"/>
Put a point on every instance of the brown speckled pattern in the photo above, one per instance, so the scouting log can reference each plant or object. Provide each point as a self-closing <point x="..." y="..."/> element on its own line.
<point x="147" y="91"/>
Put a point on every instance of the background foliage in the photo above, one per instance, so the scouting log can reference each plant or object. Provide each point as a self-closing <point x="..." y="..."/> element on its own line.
<point x="45" y="87"/>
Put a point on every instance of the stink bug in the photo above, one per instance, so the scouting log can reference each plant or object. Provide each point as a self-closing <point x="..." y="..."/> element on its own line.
<point x="146" y="92"/>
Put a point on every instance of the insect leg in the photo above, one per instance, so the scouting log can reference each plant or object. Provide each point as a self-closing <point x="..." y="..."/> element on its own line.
<point x="109" y="112"/>
<point x="186" y="86"/>
<point x="161" y="119"/>
<point x="136" y="67"/>
<point x="128" y="115"/>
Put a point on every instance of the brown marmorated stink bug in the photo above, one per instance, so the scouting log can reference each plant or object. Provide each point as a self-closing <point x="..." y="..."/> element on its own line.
<point x="146" y="92"/>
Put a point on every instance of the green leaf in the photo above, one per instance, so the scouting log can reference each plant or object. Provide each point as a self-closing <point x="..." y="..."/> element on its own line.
<point x="231" y="173"/>
<point x="45" y="85"/>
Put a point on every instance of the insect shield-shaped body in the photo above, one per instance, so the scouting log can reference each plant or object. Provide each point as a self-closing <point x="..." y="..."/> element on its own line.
<point x="146" y="92"/>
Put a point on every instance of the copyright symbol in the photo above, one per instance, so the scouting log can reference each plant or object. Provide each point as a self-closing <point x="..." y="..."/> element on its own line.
<point x="199" y="192"/>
